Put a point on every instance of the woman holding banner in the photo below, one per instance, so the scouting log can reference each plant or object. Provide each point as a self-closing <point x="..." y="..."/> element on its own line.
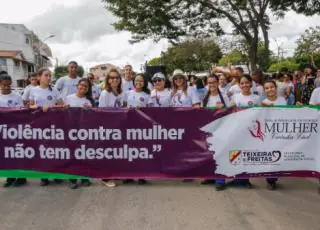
<point x="160" y="95"/>
<point x="315" y="100"/>
<point x="45" y="97"/>
<point x="217" y="100"/>
<point x="181" y="94"/>
<point x="82" y="98"/>
<point x="112" y="97"/>
<point x="139" y="97"/>
<point x="9" y="99"/>
<point x="245" y="99"/>
<point x="271" y="92"/>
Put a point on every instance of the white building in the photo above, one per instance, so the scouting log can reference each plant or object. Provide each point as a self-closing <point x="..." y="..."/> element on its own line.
<point x="16" y="65"/>
<point x="21" y="52"/>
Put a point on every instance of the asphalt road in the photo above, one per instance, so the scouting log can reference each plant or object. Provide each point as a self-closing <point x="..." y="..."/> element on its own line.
<point x="163" y="206"/>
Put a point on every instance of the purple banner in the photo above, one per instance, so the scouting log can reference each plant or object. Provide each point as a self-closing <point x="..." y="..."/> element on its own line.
<point x="113" y="143"/>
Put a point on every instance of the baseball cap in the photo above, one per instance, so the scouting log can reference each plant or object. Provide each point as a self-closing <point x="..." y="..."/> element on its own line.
<point x="158" y="76"/>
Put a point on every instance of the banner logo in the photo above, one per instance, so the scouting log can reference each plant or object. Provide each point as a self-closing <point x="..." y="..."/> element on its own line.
<point x="235" y="157"/>
<point x="256" y="131"/>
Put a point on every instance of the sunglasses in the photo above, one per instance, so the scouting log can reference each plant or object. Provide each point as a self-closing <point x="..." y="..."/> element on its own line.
<point x="157" y="80"/>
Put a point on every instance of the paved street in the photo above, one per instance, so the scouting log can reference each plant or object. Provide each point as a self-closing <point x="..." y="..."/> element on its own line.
<point x="163" y="205"/>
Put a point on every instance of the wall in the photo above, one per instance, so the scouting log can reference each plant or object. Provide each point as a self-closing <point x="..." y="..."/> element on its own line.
<point x="15" y="40"/>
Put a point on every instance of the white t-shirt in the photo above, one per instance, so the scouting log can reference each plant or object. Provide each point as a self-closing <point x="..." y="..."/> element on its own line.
<point x="11" y="100"/>
<point x="278" y="101"/>
<point x="109" y="99"/>
<point x="282" y="87"/>
<point x="180" y="99"/>
<point x="67" y="86"/>
<point x="260" y="90"/>
<point x="96" y="91"/>
<point x="126" y="85"/>
<point x="242" y="100"/>
<point x="74" y="101"/>
<point x="44" y="97"/>
<point x="224" y="90"/>
<point x="161" y="99"/>
<point x="137" y="99"/>
<point x="235" y="89"/>
<point x="315" y="97"/>
<point x="214" y="100"/>
<point x="26" y="92"/>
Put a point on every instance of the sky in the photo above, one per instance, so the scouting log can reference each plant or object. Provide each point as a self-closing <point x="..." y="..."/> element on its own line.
<point x="83" y="31"/>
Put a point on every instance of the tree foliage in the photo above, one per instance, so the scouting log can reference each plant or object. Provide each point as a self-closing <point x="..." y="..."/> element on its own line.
<point x="308" y="43"/>
<point x="236" y="57"/>
<point x="61" y="71"/>
<point x="190" y="55"/>
<point x="178" y="19"/>
<point x="290" y="64"/>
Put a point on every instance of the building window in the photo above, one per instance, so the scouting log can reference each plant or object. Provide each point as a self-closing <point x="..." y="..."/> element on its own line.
<point x="27" y="41"/>
<point x="16" y="63"/>
<point x="3" y="64"/>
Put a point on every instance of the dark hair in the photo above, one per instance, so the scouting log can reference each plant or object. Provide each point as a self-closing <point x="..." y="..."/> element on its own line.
<point x="107" y="86"/>
<point x="272" y="82"/>
<point x="89" y="92"/>
<point x="240" y="69"/>
<point x="3" y="72"/>
<point x="206" y="98"/>
<point x="199" y="83"/>
<point x="39" y="74"/>
<point x="5" y="77"/>
<point x="145" y="82"/>
<point x="91" y="75"/>
<point x="73" y="62"/>
<point x="260" y="76"/>
<point x="192" y="76"/>
<point x="247" y="77"/>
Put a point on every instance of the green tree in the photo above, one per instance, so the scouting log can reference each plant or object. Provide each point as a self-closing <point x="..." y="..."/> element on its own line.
<point x="61" y="71"/>
<point x="308" y="43"/>
<point x="177" y="19"/>
<point x="236" y="57"/>
<point x="288" y="63"/>
<point x="190" y="55"/>
<point x="155" y="61"/>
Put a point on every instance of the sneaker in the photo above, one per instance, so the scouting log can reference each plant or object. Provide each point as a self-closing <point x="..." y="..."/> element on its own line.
<point x="220" y="187"/>
<point x="128" y="181"/>
<point x="44" y="183"/>
<point x="142" y="182"/>
<point x="208" y="182"/>
<point x="73" y="185"/>
<point x="109" y="184"/>
<point x="20" y="182"/>
<point x="9" y="182"/>
<point x="86" y="183"/>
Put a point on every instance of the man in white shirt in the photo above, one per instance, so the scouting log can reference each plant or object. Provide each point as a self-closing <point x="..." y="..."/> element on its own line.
<point x="127" y="81"/>
<point x="33" y="83"/>
<point x="68" y="85"/>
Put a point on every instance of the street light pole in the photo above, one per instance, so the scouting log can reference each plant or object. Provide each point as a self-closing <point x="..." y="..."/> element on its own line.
<point x="41" y="44"/>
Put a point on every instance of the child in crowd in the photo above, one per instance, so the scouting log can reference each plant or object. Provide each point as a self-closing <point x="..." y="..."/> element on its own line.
<point x="83" y="99"/>
<point x="9" y="99"/>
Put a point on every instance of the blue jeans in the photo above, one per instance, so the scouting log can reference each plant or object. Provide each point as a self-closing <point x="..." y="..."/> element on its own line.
<point x="220" y="182"/>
